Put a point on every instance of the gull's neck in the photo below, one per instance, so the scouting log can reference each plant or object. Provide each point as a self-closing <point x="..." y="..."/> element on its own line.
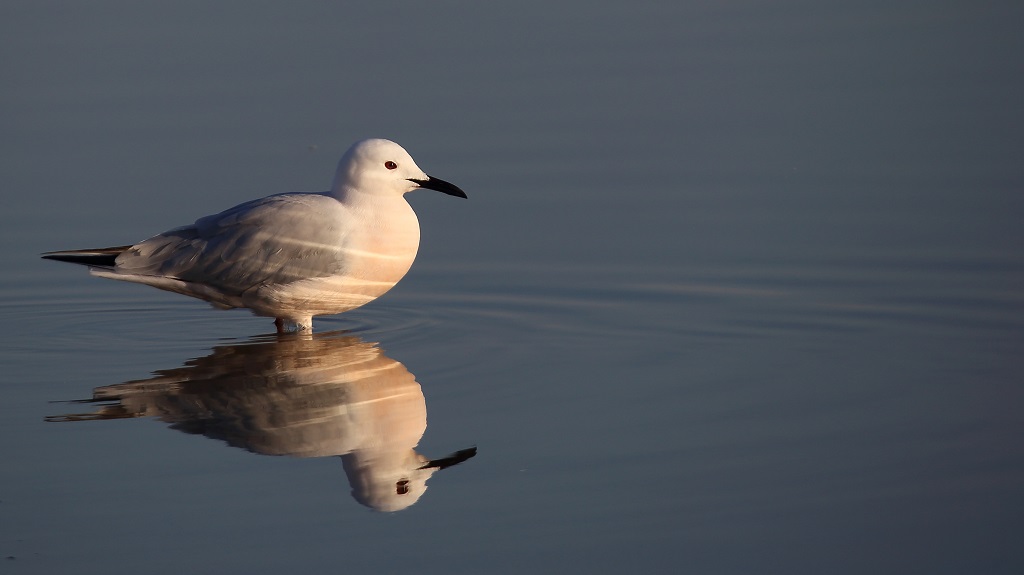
<point x="353" y="196"/>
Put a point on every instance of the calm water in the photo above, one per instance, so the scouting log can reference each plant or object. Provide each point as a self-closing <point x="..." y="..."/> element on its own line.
<point x="739" y="288"/>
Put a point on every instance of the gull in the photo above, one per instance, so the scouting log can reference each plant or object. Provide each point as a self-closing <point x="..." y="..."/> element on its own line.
<point x="294" y="255"/>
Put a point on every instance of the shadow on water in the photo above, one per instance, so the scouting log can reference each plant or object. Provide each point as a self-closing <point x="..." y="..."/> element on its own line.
<point x="298" y="395"/>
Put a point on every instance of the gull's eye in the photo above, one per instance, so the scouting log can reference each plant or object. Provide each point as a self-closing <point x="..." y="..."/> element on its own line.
<point x="390" y="165"/>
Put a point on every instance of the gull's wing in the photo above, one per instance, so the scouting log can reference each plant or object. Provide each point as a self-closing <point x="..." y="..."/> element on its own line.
<point x="274" y="240"/>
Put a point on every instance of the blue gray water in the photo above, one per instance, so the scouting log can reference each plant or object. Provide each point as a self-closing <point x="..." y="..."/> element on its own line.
<point x="739" y="287"/>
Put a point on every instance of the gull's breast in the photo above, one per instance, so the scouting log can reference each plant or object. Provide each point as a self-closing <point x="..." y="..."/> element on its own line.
<point x="376" y="257"/>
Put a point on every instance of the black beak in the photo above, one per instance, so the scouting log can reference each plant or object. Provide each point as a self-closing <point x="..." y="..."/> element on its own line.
<point x="439" y="186"/>
<point x="453" y="459"/>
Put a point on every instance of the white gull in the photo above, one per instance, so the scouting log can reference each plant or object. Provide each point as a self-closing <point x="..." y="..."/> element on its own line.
<point x="290" y="256"/>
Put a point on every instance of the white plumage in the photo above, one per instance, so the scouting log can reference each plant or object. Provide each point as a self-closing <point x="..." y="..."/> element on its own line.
<point x="290" y="256"/>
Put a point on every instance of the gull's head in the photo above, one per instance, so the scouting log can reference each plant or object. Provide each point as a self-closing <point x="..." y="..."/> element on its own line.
<point x="382" y="167"/>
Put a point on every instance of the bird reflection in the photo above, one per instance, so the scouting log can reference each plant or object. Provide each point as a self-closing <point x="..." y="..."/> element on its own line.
<point x="300" y="395"/>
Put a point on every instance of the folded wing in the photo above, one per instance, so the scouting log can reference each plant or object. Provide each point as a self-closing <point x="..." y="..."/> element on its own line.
<point x="274" y="240"/>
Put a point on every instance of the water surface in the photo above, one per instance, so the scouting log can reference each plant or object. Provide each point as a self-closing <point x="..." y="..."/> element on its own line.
<point x="737" y="287"/>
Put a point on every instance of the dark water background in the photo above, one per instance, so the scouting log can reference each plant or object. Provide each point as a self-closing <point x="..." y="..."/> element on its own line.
<point x="739" y="287"/>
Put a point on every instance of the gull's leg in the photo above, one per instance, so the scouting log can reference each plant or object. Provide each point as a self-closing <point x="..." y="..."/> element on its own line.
<point x="294" y="325"/>
<point x="304" y="325"/>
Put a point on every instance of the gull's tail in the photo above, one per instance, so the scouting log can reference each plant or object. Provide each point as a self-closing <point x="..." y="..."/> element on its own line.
<point x="97" y="258"/>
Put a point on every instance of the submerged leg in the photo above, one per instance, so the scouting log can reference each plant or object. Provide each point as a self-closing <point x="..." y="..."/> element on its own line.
<point x="303" y="325"/>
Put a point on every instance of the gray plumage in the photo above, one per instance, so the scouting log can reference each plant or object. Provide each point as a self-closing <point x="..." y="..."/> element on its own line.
<point x="275" y="240"/>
